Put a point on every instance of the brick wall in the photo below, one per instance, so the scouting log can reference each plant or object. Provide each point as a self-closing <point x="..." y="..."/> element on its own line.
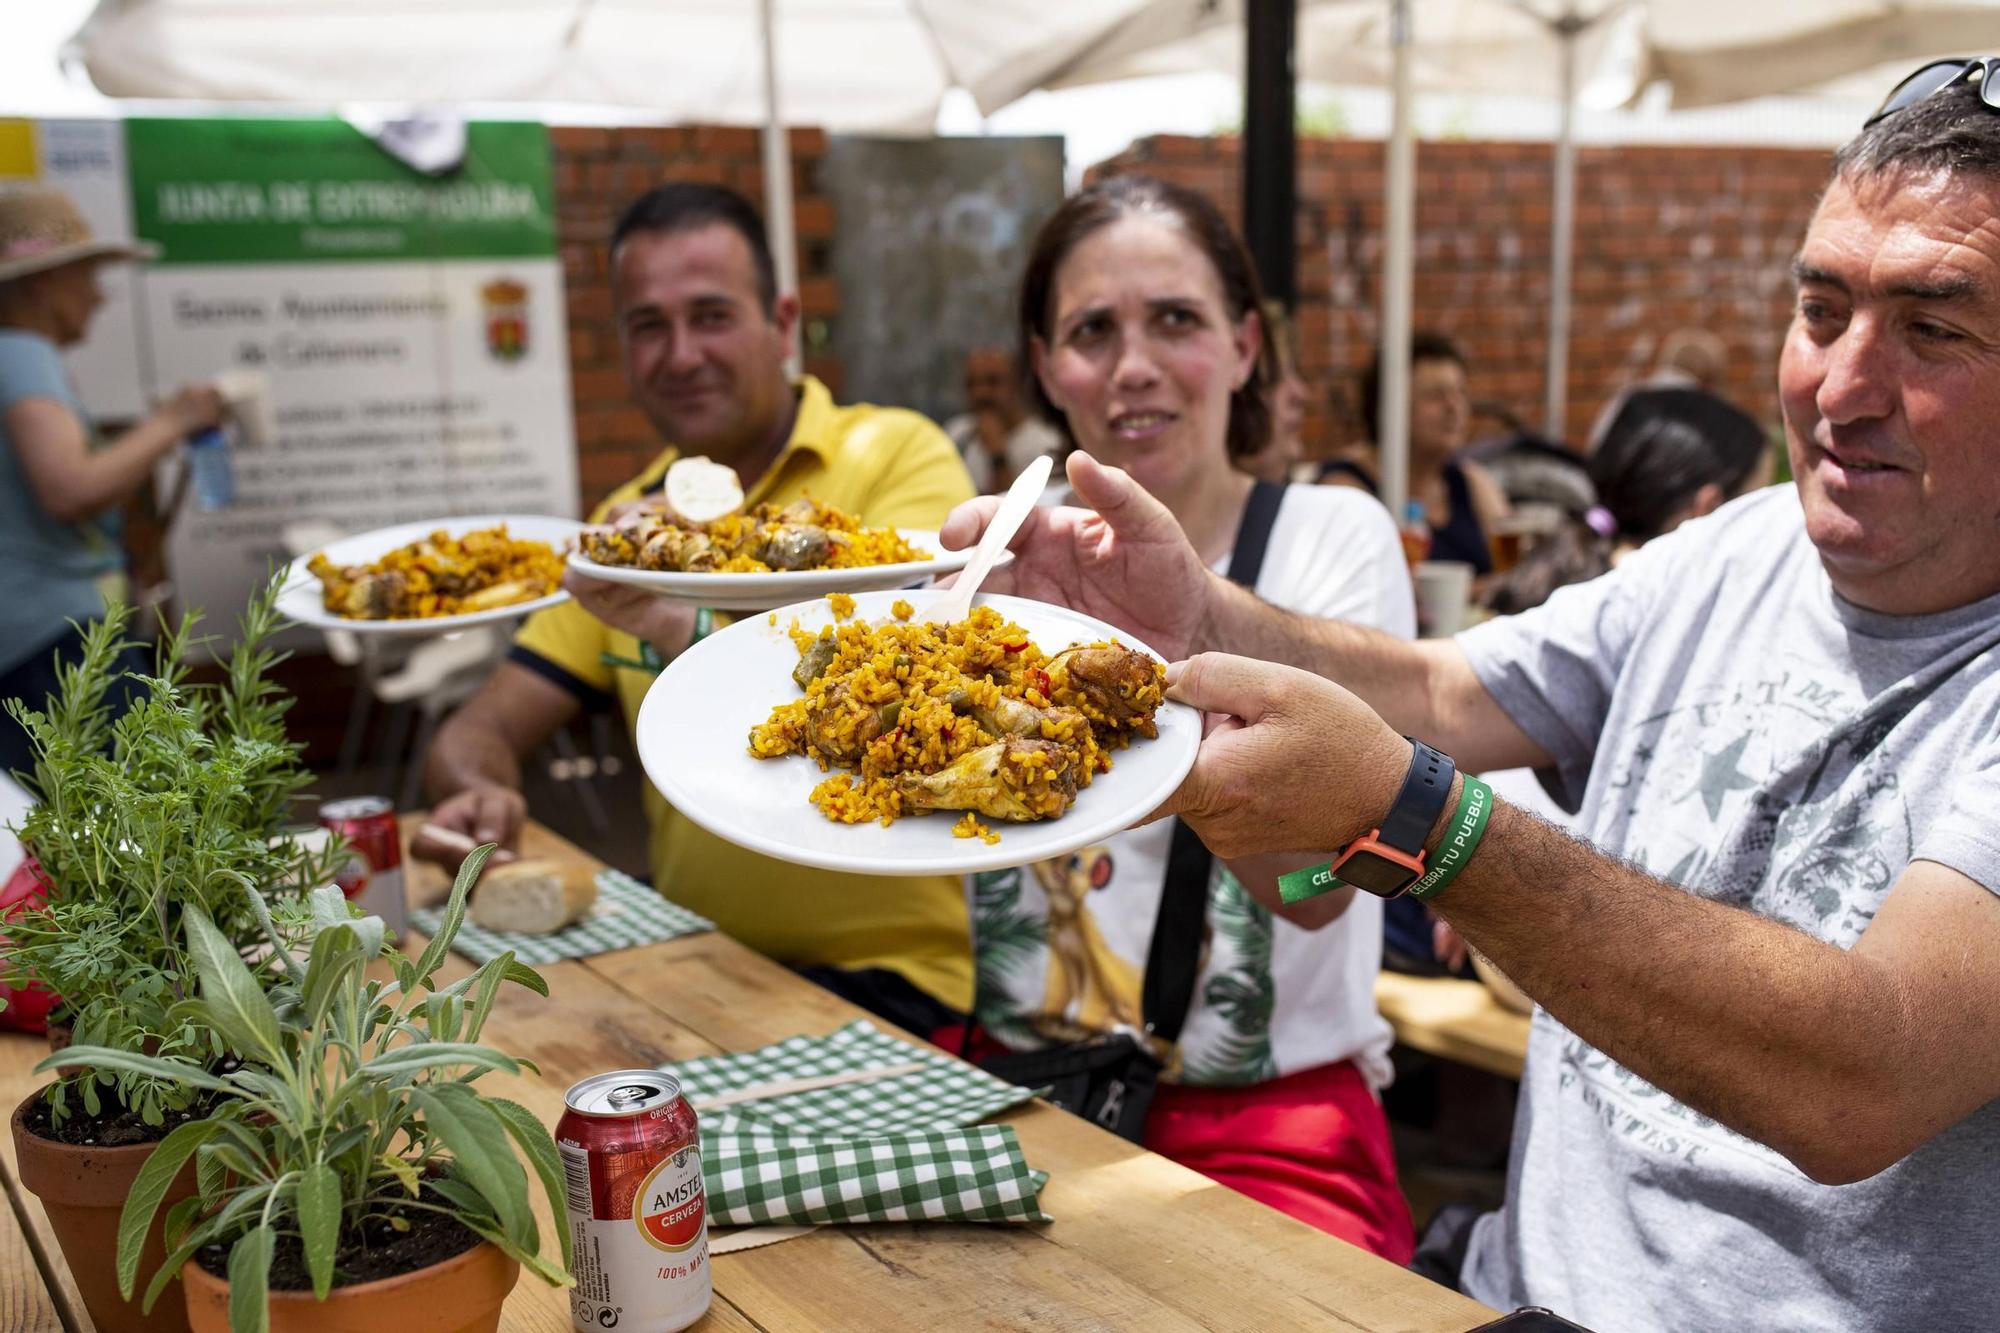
<point x="597" y="173"/>
<point x="1665" y="238"/>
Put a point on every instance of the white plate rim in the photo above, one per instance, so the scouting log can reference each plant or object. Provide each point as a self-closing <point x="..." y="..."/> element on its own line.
<point x="739" y="592"/>
<point x="299" y="598"/>
<point x="1077" y="828"/>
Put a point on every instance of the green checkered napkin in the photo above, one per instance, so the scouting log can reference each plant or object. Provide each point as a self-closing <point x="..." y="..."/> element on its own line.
<point x="897" y="1149"/>
<point x="627" y="913"/>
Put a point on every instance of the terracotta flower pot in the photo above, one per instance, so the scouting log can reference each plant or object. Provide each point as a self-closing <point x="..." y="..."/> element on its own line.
<point x="83" y="1190"/>
<point x="460" y="1295"/>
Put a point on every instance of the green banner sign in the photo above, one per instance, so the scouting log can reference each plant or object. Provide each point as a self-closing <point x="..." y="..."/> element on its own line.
<point x="312" y="190"/>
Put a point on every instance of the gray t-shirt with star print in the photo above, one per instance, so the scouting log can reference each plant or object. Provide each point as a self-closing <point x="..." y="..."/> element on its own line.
<point x="1732" y="725"/>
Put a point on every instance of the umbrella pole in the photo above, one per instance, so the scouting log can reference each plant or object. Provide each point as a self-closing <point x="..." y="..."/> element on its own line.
<point x="778" y="223"/>
<point x="1270" y="146"/>
<point x="1398" y="249"/>
<point x="1562" y="237"/>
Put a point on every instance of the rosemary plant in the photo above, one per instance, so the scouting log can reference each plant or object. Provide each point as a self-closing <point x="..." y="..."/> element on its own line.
<point x="178" y="805"/>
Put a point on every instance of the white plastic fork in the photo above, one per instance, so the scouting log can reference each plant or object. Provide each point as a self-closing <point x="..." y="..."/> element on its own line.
<point x="956" y="601"/>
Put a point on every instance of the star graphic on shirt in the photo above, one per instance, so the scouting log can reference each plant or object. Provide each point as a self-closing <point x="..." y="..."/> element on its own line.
<point x="1722" y="773"/>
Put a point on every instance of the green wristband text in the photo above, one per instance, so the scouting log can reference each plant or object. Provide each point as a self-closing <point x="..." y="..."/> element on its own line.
<point x="1461" y="839"/>
<point x="1308" y="883"/>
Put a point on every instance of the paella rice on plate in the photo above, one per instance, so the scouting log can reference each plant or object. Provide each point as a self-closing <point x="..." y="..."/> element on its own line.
<point x="971" y="717"/>
<point x="766" y="539"/>
<point x="441" y="575"/>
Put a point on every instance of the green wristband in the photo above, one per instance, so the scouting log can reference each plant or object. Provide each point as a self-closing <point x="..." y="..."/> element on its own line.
<point x="1461" y="839"/>
<point x="1308" y="883"/>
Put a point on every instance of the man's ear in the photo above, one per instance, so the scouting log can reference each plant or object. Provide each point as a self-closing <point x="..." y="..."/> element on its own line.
<point x="785" y="318"/>
<point x="1706" y="500"/>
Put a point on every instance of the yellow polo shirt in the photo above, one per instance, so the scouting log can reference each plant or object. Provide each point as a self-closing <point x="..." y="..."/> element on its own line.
<point x="892" y="468"/>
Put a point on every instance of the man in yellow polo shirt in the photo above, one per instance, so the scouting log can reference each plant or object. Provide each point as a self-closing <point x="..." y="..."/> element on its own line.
<point x="705" y="335"/>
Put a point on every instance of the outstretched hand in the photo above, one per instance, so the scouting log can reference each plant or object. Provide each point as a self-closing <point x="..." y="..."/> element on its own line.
<point x="1123" y="558"/>
<point x="1289" y="761"/>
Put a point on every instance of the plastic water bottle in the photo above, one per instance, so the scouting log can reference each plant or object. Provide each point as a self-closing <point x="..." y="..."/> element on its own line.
<point x="211" y="469"/>
<point x="1416" y="532"/>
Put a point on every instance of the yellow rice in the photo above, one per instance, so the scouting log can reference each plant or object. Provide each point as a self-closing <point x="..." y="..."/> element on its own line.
<point x="919" y="665"/>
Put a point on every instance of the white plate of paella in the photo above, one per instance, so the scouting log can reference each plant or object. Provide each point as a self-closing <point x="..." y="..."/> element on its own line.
<point x="754" y="559"/>
<point x="1023" y="732"/>
<point x="434" y="576"/>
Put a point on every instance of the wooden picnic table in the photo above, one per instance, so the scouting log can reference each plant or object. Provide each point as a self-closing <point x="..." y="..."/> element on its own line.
<point x="1454" y="1018"/>
<point x="1137" y="1241"/>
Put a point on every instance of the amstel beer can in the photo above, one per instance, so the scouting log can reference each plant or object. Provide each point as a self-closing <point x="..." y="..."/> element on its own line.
<point x="373" y="875"/>
<point x="638" y="1218"/>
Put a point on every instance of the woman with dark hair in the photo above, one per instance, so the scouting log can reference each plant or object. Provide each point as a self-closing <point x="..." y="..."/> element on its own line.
<point x="1667" y="455"/>
<point x="1140" y="319"/>
<point x="1459" y="501"/>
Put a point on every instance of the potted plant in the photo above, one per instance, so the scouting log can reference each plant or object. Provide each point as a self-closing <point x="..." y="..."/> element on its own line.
<point x="178" y="805"/>
<point x="350" y="1174"/>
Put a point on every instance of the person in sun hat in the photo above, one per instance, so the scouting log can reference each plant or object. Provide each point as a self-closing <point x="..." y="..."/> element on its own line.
<point x="59" y="483"/>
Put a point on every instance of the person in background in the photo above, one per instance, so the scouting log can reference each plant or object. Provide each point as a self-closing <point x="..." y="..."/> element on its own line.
<point x="60" y="485"/>
<point x="1461" y="503"/>
<point x="1692" y="358"/>
<point x="997" y="435"/>
<point x="704" y="334"/>
<point x="1668" y="455"/>
<point x="1282" y="458"/>
<point x="1139" y="313"/>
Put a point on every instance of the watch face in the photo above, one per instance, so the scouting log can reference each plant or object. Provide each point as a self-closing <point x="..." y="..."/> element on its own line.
<point x="1374" y="874"/>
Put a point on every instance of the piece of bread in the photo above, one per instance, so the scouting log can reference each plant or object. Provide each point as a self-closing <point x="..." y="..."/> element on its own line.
<point x="533" y="897"/>
<point x="699" y="491"/>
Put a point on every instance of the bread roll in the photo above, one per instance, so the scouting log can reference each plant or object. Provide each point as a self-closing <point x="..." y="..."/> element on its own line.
<point x="533" y="897"/>
<point x="698" y="491"/>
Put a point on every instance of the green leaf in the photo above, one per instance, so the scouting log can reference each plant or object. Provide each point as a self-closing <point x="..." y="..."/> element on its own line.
<point x="540" y="1147"/>
<point x="523" y="975"/>
<point x="319" y="1223"/>
<point x="260" y="909"/>
<point x="454" y="910"/>
<point x="403" y="1172"/>
<point x="179" y="1217"/>
<point x="477" y="1141"/>
<point x="336" y="954"/>
<point x="195" y="1239"/>
<point x="151" y="1066"/>
<point x="210" y="1175"/>
<point x="249" y="1281"/>
<point x="528" y="1259"/>
<point x="238" y="1005"/>
<point x="490" y="975"/>
<point x="430" y="1054"/>
<point x="148" y="1188"/>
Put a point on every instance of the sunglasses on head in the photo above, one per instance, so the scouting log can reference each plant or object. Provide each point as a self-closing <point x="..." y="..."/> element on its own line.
<point x="1933" y="78"/>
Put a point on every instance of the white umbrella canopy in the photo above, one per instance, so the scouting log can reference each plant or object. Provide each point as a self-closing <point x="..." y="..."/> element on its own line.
<point x="1469" y="46"/>
<point x="1710" y="52"/>
<point x="843" y="64"/>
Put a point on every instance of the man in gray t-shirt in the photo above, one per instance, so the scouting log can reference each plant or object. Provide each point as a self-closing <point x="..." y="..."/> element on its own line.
<point x="1764" y="1085"/>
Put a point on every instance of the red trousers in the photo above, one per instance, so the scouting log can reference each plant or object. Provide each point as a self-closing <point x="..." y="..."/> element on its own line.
<point x="1314" y="1144"/>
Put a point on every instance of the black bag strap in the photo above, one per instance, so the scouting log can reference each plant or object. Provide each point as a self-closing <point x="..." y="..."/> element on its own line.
<point x="1175" y="955"/>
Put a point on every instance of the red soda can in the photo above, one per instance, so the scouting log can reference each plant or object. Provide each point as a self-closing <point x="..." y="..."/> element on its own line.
<point x="638" y="1216"/>
<point x="373" y="875"/>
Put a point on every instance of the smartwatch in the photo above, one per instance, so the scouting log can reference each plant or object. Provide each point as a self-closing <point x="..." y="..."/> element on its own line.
<point x="1386" y="861"/>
